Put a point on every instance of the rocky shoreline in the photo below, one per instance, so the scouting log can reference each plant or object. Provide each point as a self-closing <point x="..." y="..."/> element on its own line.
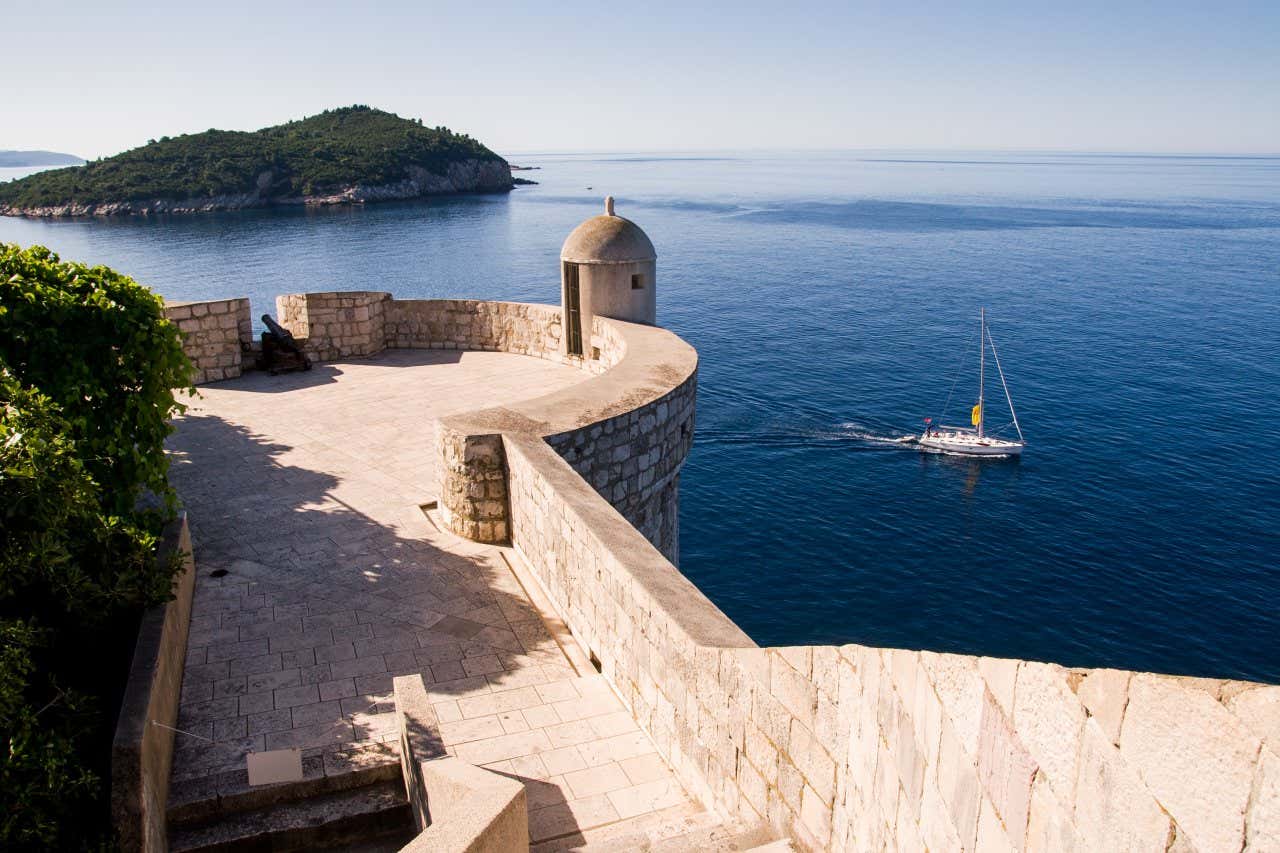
<point x="465" y="176"/>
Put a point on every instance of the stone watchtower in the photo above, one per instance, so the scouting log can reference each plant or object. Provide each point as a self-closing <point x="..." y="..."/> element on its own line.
<point x="607" y="267"/>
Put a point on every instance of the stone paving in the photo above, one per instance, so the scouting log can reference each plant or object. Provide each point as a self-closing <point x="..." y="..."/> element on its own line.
<point x="321" y="579"/>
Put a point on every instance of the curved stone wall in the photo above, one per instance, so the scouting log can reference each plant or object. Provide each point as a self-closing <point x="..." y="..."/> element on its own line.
<point x="627" y="430"/>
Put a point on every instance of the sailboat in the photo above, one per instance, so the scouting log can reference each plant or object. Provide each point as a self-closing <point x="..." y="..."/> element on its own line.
<point x="974" y="440"/>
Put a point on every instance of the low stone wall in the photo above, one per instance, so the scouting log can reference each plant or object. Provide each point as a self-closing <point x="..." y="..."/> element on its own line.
<point x="856" y="748"/>
<point x="142" y="753"/>
<point x="348" y="324"/>
<point x="336" y="324"/>
<point x="465" y="324"/>
<point x="457" y="807"/>
<point x="215" y="333"/>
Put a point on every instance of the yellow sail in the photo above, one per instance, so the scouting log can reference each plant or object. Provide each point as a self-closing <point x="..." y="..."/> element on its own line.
<point x="976" y="415"/>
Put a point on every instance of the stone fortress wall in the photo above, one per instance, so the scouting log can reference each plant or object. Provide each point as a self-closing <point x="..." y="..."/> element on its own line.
<point x="840" y="747"/>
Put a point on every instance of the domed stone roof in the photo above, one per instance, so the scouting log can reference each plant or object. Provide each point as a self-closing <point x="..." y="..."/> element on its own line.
<point x="607" y="239"/>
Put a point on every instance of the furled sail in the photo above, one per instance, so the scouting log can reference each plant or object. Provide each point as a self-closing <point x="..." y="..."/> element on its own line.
<point x="976" y="415"/>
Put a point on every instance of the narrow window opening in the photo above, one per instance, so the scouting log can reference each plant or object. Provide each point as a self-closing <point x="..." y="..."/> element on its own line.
<point x="595" y="661"/>
<point x="572" y="310"/>
<point x="637" y="281"/>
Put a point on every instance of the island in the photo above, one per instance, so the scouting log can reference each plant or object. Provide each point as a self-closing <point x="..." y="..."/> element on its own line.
<point x="20" y="159"/>
<point x="350" y="155"/>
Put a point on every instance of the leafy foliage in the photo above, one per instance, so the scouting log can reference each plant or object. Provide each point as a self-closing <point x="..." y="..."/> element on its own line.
<point x="98" y="344"/>
<point x="40" y="775"/>
<point x="323" y="153"/>
<point x="82" y="421"/>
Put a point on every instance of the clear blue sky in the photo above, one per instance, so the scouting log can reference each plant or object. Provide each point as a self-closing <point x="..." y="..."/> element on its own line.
<point x="96" y="78"/>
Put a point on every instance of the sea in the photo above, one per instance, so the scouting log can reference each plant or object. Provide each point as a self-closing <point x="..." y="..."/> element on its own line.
<point x="833" y="298"/>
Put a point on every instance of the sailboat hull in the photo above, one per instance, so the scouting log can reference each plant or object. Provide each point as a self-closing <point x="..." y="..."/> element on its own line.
<point x="968" y="444"/>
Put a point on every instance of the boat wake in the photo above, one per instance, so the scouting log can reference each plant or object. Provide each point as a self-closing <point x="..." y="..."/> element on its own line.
<point x="858" y="431"/>
<point x="844" y="436"/>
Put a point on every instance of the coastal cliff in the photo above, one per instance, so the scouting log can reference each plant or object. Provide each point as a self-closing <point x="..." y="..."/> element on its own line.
<point x="349" y="156"/>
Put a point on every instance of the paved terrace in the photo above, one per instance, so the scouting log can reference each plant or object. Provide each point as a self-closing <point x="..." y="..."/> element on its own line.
<point x="304" y="493"/>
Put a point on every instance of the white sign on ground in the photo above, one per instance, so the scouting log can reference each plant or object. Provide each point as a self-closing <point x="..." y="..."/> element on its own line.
<point x="278" y="765"/>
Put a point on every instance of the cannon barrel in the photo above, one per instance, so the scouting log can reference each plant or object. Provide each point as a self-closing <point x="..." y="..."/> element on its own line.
<point x="280" y="332"/>
<point x="280" y="351"/>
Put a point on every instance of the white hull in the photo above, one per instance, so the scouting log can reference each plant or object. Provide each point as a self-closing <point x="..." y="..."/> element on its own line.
<point x="968" y="444"/>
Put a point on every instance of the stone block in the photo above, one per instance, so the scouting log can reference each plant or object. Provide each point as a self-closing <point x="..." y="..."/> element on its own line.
<point x="936" y="827"/>
<point x="1005" y="768"/>
<point x="956" y="680"/>
<point x="1264" y="813"/>
<point x="753" y="787"/>
<point x="1049" y="827"/>
<point x="795" y="692"/>
<point x="815" y="817"/>
<point x="1195" y="757"/>
<point x="1049" y="720"/>
<point x="993" y="837"/>
<point x="1114" y="809"/>
<point x="1104" y="694"/>
<point x="1000" y="675"/>
<point x="958" y="785"/>
<point x="1258" y="707"/>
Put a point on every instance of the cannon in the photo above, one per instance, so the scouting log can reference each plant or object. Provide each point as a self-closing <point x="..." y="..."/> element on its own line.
<point x="280" y="351"/>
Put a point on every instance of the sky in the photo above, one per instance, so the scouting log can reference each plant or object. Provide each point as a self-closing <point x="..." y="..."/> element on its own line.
<point x="95" y="78"/>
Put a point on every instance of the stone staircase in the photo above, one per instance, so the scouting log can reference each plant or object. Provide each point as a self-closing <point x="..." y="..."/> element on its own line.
<point x="364" y="810"/>
<point x="680" y="829"/>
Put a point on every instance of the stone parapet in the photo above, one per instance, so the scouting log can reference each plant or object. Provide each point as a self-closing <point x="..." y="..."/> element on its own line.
<point x="215" y="336"/>
<point x="856" y="748"/>
<point x="336" y="325"/>
<point x="626" y="430"/>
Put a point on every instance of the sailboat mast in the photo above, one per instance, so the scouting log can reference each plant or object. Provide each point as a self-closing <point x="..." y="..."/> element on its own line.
<point x="1005" y="385"/>
<point x="982" y="366"/>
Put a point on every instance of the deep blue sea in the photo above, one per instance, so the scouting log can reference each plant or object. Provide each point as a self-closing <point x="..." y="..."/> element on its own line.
<point x="833" y="298"/>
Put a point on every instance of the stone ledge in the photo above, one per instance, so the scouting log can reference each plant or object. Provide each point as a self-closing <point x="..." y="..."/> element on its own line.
<point x="458" y="808"/>
<point x="141" y="752"/>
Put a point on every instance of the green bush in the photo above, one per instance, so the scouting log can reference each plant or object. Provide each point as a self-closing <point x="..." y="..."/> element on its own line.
<point x="87" y="368"/>
<point x="98" y="344"/>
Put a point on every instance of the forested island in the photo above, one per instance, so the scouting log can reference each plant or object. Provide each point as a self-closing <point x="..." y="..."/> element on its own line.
<point x="345" y="156"/>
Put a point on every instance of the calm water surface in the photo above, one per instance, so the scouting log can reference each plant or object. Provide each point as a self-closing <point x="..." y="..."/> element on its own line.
<point x="833" y="299"/>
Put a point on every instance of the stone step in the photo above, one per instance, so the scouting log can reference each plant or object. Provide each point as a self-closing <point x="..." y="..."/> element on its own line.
<point x="202" y="799"/>
<point x="357" y="819"/>
<point x="724" y="838"/>
<point x="678" y="829"/>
